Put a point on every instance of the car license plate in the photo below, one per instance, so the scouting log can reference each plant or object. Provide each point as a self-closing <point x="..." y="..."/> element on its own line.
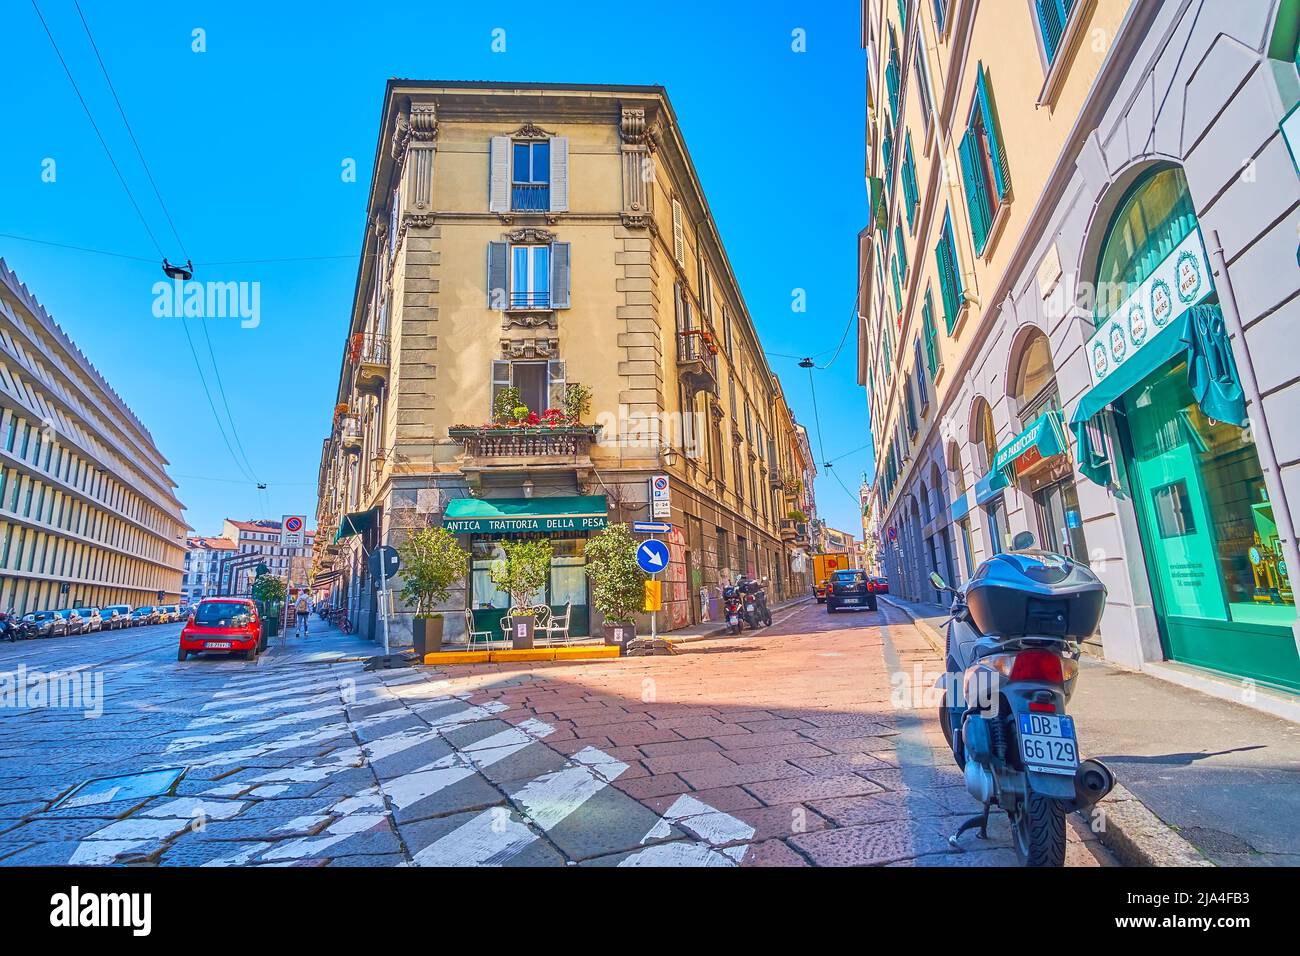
<point x="1047" y="743"/>
<point x="217" y="645"/>
<point x="850" y="600"/>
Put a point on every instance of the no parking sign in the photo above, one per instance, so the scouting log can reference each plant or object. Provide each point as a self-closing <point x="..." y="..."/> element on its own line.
<point x="291" y="531"/>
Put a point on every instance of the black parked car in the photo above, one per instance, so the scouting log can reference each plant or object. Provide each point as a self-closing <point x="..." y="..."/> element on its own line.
<point x="849" y="589"/>
<point x="47" y="623"/>
<point x="145" y="615"/>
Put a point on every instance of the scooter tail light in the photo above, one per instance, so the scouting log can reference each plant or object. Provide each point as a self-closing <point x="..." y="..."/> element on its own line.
<point x="1038" y="666"/>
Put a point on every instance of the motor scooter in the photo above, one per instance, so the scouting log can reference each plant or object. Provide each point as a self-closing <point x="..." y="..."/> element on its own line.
<point x="1012" y="661"/>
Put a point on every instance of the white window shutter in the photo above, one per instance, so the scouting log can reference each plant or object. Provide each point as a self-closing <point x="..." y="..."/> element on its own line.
<point x="496" y="275"/>
<point x="500" y="381"/>
<point x="556" y="383"/>
<point x="560" y="271"/>
<point x="559" y="174"/>
<point x="499" y="175"/>
<point x="679" y="237"/>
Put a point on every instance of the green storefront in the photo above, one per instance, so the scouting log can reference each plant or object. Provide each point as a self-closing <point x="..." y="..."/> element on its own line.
<point x="567" y="520"/>
<point x="1161" y="362"/>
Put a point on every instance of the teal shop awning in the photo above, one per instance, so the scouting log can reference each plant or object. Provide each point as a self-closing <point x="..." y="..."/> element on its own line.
<point x="357" y="523"/>
<point x="1198" y="334"/>
<point x="526" y="515"/>
<point x="1046" y="435"/>
<point x="989" y="485"/>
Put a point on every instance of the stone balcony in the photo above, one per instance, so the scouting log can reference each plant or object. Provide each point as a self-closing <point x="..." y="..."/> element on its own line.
<point x="697" y="360"/>
<point x="369" y="355"/>
<point x="539" y="448"/>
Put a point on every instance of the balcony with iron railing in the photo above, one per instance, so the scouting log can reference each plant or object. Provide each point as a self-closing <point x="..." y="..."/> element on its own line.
<point x="490" y="448"/>
<point x="350" y="433"/>
<point x="530" y="197"/>
<point x="369" y="356"/>
<point x="697" y="360"/>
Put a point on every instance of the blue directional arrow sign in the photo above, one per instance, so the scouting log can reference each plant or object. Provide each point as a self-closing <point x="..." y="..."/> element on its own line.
<point x="651" y="527"/>
<point x="652" y="556"/>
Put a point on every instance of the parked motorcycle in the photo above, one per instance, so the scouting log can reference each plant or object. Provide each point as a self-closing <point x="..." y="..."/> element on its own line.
<point x="733" y="608"/>
<point x="14" y="628"/>
<point x="755" y="598"/>
<point x="1012" y="661"/>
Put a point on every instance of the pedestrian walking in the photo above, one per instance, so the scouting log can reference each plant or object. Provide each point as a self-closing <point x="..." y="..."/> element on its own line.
<point x="304" y="613"/>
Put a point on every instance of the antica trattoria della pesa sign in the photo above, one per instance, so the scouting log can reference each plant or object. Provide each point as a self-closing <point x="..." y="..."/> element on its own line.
<point x="1174" y="286"/>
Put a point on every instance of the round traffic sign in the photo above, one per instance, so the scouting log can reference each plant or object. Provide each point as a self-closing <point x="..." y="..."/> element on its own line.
<point x="652" y="556"/>
<point x="661" y="482"/>
<point x="384" y="563"/>
<point x="293" y="524"/>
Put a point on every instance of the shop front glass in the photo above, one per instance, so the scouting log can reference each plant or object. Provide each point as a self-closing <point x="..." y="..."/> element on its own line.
<point x="567" y="584"/>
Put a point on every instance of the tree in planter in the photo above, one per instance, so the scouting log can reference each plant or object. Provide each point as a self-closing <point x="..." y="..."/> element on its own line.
<point x="617" y="582"/>
<point x="523" y="571"/>
<point x="432" y="561"/>
<point x="577" y="402"/>
<point x="268" y="589"/>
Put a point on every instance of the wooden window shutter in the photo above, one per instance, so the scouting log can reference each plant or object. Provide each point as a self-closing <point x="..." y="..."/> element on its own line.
<point x="559" y="174"/>
<point x="997" y="149"/>
<point x="560" y="274"/>
<point x="497" y="275"/>
<point x="499" y="174"/>
<point x="556" y="383"/>
<point x="679" y="236"/>
<point x="977" y="201"/>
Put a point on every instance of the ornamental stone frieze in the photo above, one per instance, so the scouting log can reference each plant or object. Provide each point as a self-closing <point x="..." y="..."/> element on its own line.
<point x="528" y="320"/>
<point x="531" y="131"/>
<point x="529" y="234"/>
<point x="529" y="348"/>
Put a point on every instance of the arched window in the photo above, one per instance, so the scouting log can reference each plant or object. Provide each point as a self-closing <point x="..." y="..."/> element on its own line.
<point x="986" y="435"/>
<point x="1033" y="383"/>
<point x="957" y="470"/>
<point x="1152" y="220"/>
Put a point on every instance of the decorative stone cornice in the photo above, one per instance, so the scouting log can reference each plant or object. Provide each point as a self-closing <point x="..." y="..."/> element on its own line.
<point x="531" y="131"/>
<point x="640" y="221"/>
<point x="528" y="320"/>
<point x="401" y="138"/>
<point x="529" y="348"/>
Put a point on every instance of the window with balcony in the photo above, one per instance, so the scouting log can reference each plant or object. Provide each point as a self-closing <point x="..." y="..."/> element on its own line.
<point x="540" y="383"/>
<point x="528" y="276"/>
<point x="530" y="178"/>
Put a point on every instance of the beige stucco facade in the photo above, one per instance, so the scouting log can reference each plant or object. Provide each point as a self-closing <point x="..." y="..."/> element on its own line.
<point x="638" y="304"/>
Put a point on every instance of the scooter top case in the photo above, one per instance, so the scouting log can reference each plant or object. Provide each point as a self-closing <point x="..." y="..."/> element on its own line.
<point x="1035" y="594"/>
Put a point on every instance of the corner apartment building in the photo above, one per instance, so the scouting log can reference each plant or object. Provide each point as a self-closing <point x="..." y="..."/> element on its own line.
<point x="87" y="511"/>
<point x="523" y="239"/>
<point x="1076" y="298"/>
<point x="255" y="543"/>
<point x="202" y="577"/>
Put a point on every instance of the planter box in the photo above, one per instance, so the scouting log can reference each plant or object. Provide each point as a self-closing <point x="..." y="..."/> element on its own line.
<point x="521" y="633"/>
<point x="619" y="635"/>
<point x="426" y="633"/>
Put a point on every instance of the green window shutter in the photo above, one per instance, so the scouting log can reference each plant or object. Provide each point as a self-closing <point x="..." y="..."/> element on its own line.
<point x="888" y="147"/>
<point x="949" y="278"/>
<point x="997" y="149"/>
<point x="977" y="200"/>
<point x="911" y="193"/>
<point x="1052" y="17"/>
<point x="931" y="356"/>
<point x="892" y="74"/>
<point x="902" y="252"/>
<point x="898" y="286"/>
<point x="902" y="15"/>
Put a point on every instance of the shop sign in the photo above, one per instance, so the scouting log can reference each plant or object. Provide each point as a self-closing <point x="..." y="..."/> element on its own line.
<point x="1174" y="286"/>
<point x="545" y="525"/>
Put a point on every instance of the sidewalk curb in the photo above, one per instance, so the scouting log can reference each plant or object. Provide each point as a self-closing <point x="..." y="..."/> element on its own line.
<point x="778" y="615"/>
<point x="1130" y="830"/>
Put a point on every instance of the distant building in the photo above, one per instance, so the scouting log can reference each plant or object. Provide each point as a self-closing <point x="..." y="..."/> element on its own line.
<point x="203" y="565"/>
<point x="87" y="511"/>
<point x="258" y="542"/>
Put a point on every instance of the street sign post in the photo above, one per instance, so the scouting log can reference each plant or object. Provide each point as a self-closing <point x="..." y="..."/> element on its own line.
<point x="651" y="527"/>
<point x="652" y="558"/>
<point x="661" y="502"/>
<point x="384" y="563"/>
<point x="292" y="533"/>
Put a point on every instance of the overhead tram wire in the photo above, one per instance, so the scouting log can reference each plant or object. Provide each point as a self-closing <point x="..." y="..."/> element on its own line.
<point x="247" y="465"/>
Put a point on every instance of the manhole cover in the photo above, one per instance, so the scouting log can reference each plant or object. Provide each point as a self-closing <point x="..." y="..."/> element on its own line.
<point x="131" y="786"/>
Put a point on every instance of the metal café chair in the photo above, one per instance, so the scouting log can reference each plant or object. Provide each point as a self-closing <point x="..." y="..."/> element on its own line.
<point x="557" y="625"/>
<point x="472" y="636"/>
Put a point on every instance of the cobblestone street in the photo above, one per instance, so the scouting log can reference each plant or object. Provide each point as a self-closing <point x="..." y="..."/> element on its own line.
<point x="782" y="748"/>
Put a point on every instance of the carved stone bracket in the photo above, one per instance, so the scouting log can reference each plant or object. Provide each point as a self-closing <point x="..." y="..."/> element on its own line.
<point x="640" y="221"/>
<point x="528" y="320"/>
<point x="529" y="348"/>
<point x="632" y="126"/>
<point x="424" y="122"/>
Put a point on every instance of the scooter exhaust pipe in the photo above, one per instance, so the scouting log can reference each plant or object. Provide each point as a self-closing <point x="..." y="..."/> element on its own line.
<point x="1092" y="781"/>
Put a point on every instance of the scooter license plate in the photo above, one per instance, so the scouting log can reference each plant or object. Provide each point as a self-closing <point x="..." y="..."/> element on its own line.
<point x="733" y="619"/>
<point x="217" y="645"/>
<point x="1047" y="743"/>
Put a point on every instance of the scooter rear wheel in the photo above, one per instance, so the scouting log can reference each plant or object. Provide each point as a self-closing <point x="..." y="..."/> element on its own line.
<point x="1038" y="831"/>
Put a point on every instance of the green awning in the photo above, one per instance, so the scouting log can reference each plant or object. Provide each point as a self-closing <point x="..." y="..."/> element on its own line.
<point x="526" y="515"/>
<point x="1046" y="435"/>
<point x="356" y="523"/>
<point x="1199" y="335"/>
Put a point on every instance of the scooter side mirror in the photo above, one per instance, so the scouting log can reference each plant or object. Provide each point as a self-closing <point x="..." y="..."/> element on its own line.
<point x="938" y="583"/>
<point x="1024" y="541"/>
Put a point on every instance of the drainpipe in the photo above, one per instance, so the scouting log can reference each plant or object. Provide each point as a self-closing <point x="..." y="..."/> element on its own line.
<point x="1258" y="421"/>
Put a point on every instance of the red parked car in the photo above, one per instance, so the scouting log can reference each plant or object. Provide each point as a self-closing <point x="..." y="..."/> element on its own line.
<point x="224" y="625"/>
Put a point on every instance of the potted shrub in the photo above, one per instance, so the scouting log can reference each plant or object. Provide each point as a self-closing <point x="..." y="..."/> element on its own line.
<point x="522" y="572"/>
<point x="617" y="582"/>
<point x="432" y="562"/>
<point x="269" y="592"/>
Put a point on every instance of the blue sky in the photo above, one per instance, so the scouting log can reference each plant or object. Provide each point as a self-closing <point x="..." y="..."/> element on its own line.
<point x="246" y="140"/>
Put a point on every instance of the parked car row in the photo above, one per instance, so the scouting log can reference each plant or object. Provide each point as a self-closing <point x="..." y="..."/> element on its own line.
<point x="87" y="620"/>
